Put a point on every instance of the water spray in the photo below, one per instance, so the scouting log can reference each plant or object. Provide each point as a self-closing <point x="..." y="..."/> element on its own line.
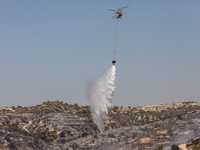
<point x="100" y="95"/>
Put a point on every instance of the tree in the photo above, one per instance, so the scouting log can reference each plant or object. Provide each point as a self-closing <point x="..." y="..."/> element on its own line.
<point x="19" y="106"/>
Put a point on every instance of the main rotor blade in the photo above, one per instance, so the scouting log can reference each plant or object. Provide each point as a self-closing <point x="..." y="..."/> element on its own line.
<point x="112" y="9"/>
<point x="123" y="7"/>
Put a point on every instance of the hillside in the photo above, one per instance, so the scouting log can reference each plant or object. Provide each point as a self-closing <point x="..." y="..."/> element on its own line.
<point x="58" y="125"/>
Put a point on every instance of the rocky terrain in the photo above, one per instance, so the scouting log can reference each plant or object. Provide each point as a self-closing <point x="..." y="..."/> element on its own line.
<point x="57" y="125"/>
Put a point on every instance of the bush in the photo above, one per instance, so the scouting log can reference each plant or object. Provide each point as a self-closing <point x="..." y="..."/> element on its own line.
<point x="159" y="147"/>
<point x="62" y="134"/>
<point x="19" y="106"/>
<point x="115" y="108"/>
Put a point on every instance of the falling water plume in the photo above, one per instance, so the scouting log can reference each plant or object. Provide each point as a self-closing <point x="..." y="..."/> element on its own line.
<point x="100" y="95"/>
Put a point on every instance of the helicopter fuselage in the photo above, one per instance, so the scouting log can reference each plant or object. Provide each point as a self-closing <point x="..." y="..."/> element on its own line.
<point x="118" y="14"/>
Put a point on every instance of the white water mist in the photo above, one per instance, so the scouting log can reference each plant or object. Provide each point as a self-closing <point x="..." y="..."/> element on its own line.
<point x="100" y="95"/>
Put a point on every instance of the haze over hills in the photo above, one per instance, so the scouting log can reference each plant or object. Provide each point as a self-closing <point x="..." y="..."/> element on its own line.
<point x="58" y="125"/>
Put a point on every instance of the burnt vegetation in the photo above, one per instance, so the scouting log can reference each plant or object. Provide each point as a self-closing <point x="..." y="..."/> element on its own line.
<point x="121" y="116"/>
<point x="54" y="123"/>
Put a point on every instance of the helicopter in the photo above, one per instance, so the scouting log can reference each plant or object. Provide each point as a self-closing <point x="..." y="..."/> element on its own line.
<point x="118" y="12"/>
<point x="117" y="15"/>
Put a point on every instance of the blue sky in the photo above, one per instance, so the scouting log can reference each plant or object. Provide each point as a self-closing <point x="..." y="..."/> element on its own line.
<point x="52" y="50"/>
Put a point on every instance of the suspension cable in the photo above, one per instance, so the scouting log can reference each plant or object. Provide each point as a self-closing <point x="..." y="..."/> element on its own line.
<point x="115" y="44"/>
